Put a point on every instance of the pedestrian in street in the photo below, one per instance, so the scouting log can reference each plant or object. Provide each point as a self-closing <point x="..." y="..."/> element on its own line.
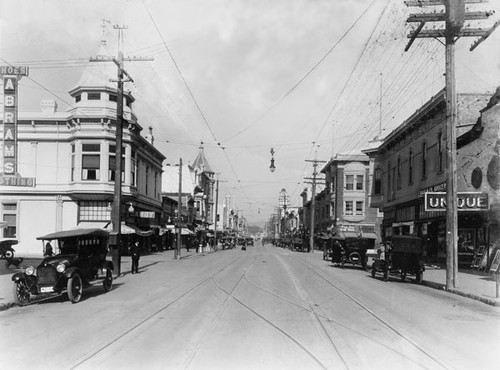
<point x="135" y="254"/>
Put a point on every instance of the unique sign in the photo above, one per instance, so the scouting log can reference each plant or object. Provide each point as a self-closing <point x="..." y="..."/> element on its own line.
<point x="470" y="201"/>
<point x="146" y="214"/>
<point x="11" y="76"/>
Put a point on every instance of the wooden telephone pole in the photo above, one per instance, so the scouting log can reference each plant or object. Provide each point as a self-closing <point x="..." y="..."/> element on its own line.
<point x="454" y="17"/>
<point x="116" y="210"/>
<point x="313" y="182"/>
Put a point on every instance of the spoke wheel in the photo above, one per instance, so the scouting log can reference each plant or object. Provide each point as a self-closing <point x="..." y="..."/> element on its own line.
<point x="108" y="280"/>
<point x="75" y="288"/>
<point x="9" y="254"/>
<point x="21" y="293"/>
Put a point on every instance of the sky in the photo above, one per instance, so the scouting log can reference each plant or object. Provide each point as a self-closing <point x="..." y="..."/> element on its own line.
<point x="306" y="78"/>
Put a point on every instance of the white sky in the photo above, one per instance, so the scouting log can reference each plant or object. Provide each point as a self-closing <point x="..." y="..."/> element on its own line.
<point x="266" y="74"/>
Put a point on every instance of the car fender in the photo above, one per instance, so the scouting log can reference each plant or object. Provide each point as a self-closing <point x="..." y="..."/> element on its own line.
<point x="19" y="276"/>
<point x="71" y="271"/>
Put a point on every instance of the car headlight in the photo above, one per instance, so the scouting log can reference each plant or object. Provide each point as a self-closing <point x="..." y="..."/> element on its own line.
<point x="61" y="267"/>
<point x="30" y="270"/>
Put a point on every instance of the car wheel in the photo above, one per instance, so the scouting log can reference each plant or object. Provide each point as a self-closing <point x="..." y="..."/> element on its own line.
<point x="403" y="276"/>
<point x="21" y="293"/>
<point x="75" y="288"/>
<point x="108" y="280"/>
<point x="9" y="254"/>
<point x="373" y="271"/>
<point x="419" y="278"/>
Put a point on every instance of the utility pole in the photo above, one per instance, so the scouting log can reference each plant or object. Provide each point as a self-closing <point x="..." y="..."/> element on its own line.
<point x="179" y="216"/>
<point x="116" y="210"/>
<point x="314" y="182"/>
<point x="454" y="17"/>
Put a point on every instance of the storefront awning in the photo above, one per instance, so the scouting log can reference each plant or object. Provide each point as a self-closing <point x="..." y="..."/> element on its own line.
<point x="346" y="234"/>
<point x="184" y="231"/>
<point x="93" y="225"/>
<point x="369" y="235"/>
<point x="130" y="229"/>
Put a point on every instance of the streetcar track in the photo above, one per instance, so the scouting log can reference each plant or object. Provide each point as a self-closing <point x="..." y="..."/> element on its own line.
<point x="108" y="343"/>
<point x="283" y="332"/>
<point x="329" y="319"/>
<point x="373" y="314"/>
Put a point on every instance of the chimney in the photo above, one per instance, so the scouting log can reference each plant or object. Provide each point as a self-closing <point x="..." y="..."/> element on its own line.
<point x="150" y="137"/>
<point x="49" y="107"/>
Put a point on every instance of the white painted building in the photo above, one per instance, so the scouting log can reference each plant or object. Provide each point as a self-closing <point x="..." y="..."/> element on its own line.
<point x="65" y="165"/>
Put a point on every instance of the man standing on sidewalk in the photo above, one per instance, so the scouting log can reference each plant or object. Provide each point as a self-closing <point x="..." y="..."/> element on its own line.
<point x="135" y="254"/>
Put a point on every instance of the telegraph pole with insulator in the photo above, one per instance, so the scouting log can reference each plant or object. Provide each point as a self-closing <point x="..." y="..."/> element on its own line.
<point x="454" y="16"/>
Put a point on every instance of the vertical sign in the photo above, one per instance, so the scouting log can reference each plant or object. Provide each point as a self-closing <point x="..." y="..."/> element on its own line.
<point x="10" y="125"/>
<point x="11" y="75"/>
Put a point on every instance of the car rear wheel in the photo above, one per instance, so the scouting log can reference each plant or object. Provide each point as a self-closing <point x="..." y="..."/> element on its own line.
<point x="108" y="280"/>
<point x="9" y="254"/>
<point x="21" y="293"/>
<point x="75" y="288"/>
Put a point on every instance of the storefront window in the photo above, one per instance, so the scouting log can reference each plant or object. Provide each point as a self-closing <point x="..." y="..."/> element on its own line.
<point x="94" y="211"/>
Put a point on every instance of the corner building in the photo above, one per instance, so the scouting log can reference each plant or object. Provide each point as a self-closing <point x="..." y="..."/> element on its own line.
<point x="69" y="158"/>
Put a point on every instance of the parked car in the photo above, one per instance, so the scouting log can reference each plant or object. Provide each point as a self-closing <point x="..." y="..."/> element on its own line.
<point x="6" y="250"/>
<point x="80" y="261"/>
<point x="402" y="257"/>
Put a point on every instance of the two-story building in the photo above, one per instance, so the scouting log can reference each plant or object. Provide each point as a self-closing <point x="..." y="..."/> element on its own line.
<point x="412" y="160"/>
<point x="59" y="169"/>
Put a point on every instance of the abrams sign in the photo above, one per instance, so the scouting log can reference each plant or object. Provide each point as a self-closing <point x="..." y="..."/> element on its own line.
<point x="465" y="201"/>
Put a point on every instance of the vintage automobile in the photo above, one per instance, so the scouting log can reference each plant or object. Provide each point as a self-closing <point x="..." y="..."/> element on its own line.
<point x="351" y="249"/>
<point x="80" y="262"/>
<point x="402" y="257"/>
<point x="6" y="250"/>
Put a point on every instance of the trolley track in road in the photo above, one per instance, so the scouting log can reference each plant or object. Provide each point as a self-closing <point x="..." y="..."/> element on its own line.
<point x="373" y="314"/>
<point x="125" y="332"/>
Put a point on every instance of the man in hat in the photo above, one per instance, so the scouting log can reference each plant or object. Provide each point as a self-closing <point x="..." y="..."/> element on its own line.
<point x="135" y="253"/>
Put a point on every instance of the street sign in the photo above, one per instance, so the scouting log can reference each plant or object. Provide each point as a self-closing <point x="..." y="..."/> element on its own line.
<point x="468" y="201"/>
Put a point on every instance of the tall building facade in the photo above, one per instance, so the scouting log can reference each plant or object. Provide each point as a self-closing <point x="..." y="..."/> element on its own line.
<point x="65" y="166"/>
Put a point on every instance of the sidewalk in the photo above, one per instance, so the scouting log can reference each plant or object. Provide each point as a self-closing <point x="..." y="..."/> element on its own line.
<point x="472" y="284"/>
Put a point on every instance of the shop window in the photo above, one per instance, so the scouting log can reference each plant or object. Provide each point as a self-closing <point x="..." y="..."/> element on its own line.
<point x="94" y="211"/>
<point x="10" y="218"/>
<point x="349" y="208"/>
<point x="91" y="161"/>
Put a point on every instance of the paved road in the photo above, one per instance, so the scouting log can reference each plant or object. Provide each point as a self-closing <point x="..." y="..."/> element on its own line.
<point x="266" y="308"/>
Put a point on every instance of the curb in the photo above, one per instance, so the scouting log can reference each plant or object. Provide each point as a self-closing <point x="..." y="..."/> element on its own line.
<point x="483" y="299"/>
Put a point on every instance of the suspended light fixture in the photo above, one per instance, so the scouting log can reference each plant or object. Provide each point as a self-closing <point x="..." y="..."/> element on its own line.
<point x="272" y="167"/>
